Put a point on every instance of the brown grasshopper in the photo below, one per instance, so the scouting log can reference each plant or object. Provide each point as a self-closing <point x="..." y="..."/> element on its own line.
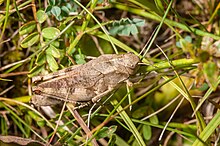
<point x="86" y="83"/>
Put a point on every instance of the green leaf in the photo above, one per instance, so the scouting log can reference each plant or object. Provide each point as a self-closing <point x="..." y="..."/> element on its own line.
<point x="30" y="40"/>
<point x="65" y="11"/>
<point x="106" y="132"/>
<point x="211" y="72"/>
<point x="28" y="119"/>
<point x="41" y="123"/>
<point x="125" y="27"/>
<point x="186" y="44"/>
<point x="140" y="112"/>
<point x="52" y="2"/>
<point x="112" y="140"/>
<point x="159" y="6"/>
<point x="56" y="44"/>
<point x="69" y="6"/>
<point x="154" y="119"/>
<point x="138" y="22"/>
<point x="52" y="63"/>
<point x="59" y="18"/>
<point x="41" y="59"/>
<point x="204" y="87"/>
<point x="147" y="132"/>
<point x="51" y="50"/>
<point x="134" y="29"/>
<point x="56" y="11"/>
<point x="41" y="16"/>
<point x="35" y="71"/>
<point x="114" y="30"/>
<point x="182" y="43"/>
<point x="80" y="58"/>
<point x="188" y="39"/>
<point x="27" y="28"/>
<point x="50" y="32"/>
<point x="208" y="131"/>
<point x="125" y="31"/>
<point x="178" y="44"/>
<point x="48" y="9"/>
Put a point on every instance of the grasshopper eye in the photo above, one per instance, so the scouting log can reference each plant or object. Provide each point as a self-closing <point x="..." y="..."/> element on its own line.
<point x="132" y="65"/>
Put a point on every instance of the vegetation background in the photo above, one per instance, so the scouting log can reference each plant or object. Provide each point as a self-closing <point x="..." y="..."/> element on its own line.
<point x="174" y="99"/>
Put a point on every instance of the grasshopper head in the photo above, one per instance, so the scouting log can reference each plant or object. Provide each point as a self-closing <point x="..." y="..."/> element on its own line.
<point x="130" y="62"/>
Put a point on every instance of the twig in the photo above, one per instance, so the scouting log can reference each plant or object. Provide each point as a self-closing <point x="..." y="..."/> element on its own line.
<point x="97" y="45"/>
<point x="13" y="74"/>
<point x="78" y="118"/>
<point x="14" y="63"/>
<point x="59" y="119"/>
<point x="6" y="90"/>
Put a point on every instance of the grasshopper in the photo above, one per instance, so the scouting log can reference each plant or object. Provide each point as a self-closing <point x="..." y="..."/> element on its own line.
<point x="86" y="83"/>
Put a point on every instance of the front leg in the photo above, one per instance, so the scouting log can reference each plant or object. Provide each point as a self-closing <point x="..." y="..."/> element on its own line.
<point x="129" y="83"/>
<point x="100" y="95"/>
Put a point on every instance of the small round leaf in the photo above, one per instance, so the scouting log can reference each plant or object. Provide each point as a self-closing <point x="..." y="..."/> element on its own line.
<point x="50" y="32"/>
<point x="65" y="11"/>
<point x="30" y="40"/>
<point x="41" y="16"/>
<point x="51" y="50"/>
<point x="154" y="119"/>
<point x="56" y="11"/>
<point x="52" y="63"/>
<point x="41" y="58"/>
<point x="27" y="28"/>
<point x="80" y="59"/>
<point x="106" y="132"/>
<point x="140" y="112"/>
<point x="56" y="44"/>
<point x="147" y="133"/>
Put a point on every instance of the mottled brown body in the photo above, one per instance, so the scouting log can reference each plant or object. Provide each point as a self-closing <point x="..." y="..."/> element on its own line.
<point x="87" y="82"/>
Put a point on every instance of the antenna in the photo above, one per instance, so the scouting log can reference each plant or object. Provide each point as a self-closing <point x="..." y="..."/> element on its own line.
<point x="152" y="37"/>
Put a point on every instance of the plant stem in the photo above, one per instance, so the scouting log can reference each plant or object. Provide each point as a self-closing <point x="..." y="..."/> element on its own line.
<point x="175" y="63"/>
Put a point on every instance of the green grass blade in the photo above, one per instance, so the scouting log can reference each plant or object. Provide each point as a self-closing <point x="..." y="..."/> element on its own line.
<point x="129" y="123"/>
<point x="209" y="129"/>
